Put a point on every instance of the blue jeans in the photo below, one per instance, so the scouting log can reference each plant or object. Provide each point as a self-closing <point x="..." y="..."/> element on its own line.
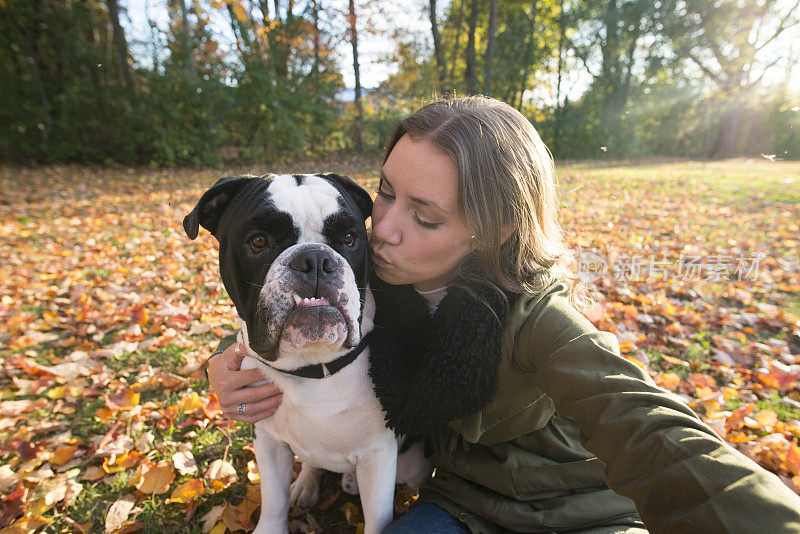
<point x="426" y="518"/>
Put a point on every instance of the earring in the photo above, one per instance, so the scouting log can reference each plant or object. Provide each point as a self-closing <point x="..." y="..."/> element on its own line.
<point x="473" y="236"/>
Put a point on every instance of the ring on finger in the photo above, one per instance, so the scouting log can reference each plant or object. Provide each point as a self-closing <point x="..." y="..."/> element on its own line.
<point x="242" y="408"/>
<point x="237" y="351"/>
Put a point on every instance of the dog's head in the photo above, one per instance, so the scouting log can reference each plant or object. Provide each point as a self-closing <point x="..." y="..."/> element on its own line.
<point x="293" y="256"/>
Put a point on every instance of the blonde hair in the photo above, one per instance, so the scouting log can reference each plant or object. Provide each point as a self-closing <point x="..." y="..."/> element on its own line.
<point x="507" y="191"/>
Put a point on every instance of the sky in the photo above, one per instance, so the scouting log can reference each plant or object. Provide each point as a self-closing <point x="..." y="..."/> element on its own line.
<point x="408" y="16"/>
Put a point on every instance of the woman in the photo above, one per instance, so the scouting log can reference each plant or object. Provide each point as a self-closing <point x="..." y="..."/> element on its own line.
<point x="533" y="420"/>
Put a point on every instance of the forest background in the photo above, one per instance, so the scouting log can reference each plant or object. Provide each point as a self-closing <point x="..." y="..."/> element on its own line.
<point x="255" y="81"/>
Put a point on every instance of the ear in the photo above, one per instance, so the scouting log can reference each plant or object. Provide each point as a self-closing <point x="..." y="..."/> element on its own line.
<point x="355" y="191"/>
<point x="212" y="204"/>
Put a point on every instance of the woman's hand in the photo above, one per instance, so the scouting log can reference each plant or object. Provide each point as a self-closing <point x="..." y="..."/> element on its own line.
<point x="230" y="385"/>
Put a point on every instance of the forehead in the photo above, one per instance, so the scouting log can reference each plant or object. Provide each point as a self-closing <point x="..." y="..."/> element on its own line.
<point x="418" y="169"/>
<point x="308" y="199"/>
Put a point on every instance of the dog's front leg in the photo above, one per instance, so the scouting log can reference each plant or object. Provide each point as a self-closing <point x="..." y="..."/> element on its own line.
<point x="275" y="462"/>
<point x="376" y="473"/>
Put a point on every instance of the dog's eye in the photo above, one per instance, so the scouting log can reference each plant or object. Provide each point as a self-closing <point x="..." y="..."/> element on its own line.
<point x="259" y="242"/>
<point x="349" y="238"/>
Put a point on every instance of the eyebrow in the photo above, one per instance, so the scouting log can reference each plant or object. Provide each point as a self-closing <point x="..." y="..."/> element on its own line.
<point x="418" y="200"/>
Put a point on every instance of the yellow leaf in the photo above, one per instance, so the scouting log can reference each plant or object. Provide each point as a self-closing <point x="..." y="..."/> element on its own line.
<point x="58" y="392"/>
<point x="219" y="528"/>
<point x="188" y="491"/>
<point x="351" y="513"/>
<point x="155" y="478"/>
<point x="252" y="472"/>
<point x="190" y="403"/>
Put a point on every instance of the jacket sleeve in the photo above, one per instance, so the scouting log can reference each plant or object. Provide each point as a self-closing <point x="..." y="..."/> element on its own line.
<point x="682" y="476"/>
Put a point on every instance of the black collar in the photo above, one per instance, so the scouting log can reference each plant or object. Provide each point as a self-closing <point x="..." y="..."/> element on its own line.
<point x="323" y="370"/>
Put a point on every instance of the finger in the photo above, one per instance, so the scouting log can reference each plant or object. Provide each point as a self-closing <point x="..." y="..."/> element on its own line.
<point x="251" y="417"/>
<point x="256" y="407"/>
<point x="240" y="379"/>
<point x="250" y="395"/>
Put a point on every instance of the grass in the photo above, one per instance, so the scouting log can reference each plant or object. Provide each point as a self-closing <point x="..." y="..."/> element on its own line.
<point x="120" y="234"/>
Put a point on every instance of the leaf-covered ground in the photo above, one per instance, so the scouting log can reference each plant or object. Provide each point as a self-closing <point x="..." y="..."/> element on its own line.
<point x="107" y="312"/>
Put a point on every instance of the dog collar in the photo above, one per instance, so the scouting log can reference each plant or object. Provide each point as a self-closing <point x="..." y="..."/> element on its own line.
<point x="324" y="370"/>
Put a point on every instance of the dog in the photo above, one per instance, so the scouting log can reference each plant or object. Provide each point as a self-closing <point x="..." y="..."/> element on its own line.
<point x="293" y="256"/>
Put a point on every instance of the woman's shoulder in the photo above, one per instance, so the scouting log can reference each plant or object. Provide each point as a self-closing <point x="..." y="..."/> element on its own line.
<point x="541" y="322"/>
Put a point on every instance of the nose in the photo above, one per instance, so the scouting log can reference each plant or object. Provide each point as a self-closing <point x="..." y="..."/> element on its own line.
<point x="386" y="227"/>
<point x="312" y="266"/>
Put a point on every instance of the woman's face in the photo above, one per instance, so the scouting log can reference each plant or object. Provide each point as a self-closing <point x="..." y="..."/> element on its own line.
<point x="418" y="235"/>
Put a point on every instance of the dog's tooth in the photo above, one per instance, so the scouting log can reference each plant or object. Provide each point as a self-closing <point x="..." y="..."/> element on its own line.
<point x="296" y="298"/>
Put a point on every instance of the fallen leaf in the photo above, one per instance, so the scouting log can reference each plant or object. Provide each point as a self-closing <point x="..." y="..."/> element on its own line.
<point x="184" y="463"/>
<point x="221" y="471"/>
<point x="186" y="492"/>
<point x="118" y="513"/>
<point x="154" y="478"/>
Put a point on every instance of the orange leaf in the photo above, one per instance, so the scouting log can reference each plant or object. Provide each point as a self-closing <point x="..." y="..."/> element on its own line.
<point x="212" y="407"/>
<point x="766" y="418"/>
<point x="669" y="381"/>
<point x="63" y="454"/>
<point x="155" y="478"/>
<point x="112" y="464"/>
<point x="124" y="399"/>
<point x="188" y="491"/>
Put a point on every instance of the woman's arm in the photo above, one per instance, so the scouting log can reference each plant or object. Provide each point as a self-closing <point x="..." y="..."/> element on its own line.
<point x="680" y="474"/>
<point x="234" y="387"/>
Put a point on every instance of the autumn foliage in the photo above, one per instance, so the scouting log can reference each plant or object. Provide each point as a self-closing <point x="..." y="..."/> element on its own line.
<point x="108" y="311"/>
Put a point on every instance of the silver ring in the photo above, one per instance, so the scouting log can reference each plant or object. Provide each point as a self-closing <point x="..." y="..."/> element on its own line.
<point x="238" y="351"/>
<point x="242" y="407"/>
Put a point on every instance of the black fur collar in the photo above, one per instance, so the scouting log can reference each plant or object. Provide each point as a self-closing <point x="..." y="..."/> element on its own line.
<point x="427" y="370"/>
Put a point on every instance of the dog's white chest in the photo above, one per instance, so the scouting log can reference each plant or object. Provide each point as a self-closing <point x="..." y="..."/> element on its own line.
<point x="331" y="422"/>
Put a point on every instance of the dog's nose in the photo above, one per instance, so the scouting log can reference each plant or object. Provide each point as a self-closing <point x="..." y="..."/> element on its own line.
<point x="311" y="265"/>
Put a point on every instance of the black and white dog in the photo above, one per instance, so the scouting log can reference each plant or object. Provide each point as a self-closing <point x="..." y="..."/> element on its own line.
<point x="293" y="255"/>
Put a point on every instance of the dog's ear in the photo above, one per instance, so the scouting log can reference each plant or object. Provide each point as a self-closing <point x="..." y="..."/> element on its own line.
<point x="354" y="191"/>
<point x="212" y="204"/>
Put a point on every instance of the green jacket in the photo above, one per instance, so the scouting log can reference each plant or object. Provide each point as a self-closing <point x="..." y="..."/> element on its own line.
<point x="571" y="418"/>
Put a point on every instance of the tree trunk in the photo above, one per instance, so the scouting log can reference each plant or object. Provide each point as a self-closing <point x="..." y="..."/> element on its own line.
<point x="559" y="108"/>
<point x="470" y="76"/>
<point x="487" y="77"/>
<point x="358" y="125"/>
<point x="315" y="37"/>
<point x="121" y="46"/>
<point x="441" y="63"/>
<point x="187" y="42"/>
<point x="530" y="42"/>
<point x="457" y="42"/>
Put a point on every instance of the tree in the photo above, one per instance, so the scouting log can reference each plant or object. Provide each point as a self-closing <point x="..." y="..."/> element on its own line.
<point x="487" y="77"/>
<point x="358" y="124"/>
<point x="438" y="49"/>
<point x="728" y="41"/>
<point x="470" y="74"/>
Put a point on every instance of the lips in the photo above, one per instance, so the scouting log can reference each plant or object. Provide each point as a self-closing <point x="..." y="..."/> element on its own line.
<point x="378" y="259"/>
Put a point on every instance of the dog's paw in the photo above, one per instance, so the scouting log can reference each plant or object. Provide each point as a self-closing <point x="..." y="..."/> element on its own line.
<point x="350" y="483"/>
<point x="304" y="492"/>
